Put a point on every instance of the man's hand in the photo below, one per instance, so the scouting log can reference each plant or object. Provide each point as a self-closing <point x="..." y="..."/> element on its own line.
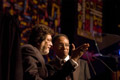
<point x="79" y="51"/>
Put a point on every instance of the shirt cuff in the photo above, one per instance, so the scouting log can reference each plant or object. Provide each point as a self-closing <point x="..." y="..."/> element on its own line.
<point x="76" y="64"/>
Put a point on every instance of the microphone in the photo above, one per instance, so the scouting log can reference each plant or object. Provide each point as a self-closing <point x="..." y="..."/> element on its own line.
<point x="97" y="54"/>
<point x="96" y="45"/>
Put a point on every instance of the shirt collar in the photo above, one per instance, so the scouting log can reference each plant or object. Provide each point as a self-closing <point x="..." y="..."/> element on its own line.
<point x="66" y="59"/>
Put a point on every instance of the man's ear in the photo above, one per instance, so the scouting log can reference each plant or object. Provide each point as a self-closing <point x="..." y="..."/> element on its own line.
<point x="38" y="44"/>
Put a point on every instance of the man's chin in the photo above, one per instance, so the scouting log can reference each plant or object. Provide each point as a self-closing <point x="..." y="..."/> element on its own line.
<point x="45" y="53"/>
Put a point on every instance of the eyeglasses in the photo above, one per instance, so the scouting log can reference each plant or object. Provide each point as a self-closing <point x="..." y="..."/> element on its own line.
<point x="63" y="45"/>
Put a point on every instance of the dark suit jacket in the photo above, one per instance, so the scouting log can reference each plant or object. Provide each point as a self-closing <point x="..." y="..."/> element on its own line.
<point x="81" y="72"/>
<point x="34" y="66"/>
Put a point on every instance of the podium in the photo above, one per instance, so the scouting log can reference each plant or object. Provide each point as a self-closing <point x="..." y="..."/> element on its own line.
<point x="103" y="71"/>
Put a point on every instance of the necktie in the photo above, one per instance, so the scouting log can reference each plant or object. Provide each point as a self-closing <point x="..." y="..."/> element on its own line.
<point x="62" y="62"/>
<point x="68" y="78"/>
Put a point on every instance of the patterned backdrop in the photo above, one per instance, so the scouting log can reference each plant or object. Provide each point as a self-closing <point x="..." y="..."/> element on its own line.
<point x="90" y="19"/>
<point x="31" y="12"/>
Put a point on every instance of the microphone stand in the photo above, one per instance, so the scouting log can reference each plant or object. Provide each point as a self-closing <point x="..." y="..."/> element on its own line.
<point x="99" y="54"/>
<point x="89" y="59"/>
<point x="104" y="63"/>
<point x="91" y="65"/>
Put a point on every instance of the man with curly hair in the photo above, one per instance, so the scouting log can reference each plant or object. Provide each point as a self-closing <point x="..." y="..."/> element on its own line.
<point x="34" y="67"/>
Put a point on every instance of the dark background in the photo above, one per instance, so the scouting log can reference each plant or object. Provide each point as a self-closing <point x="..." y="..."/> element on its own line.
<point x="111" y="32"/>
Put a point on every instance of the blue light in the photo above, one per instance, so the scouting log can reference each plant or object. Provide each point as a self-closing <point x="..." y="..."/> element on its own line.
<point x="119" y="52"/>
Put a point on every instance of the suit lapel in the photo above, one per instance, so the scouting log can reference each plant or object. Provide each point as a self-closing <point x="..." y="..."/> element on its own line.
<point x="76" y="72"/>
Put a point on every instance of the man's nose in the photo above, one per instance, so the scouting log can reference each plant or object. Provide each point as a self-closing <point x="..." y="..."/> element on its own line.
<point x="51" y="43"/>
